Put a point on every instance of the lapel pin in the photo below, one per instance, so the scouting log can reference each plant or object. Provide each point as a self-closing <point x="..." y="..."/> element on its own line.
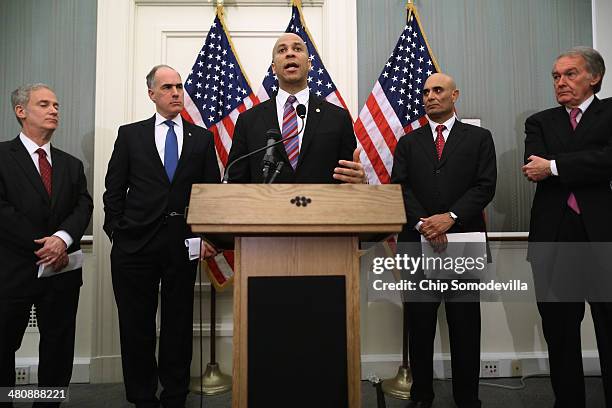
<point x="189" y="134"/>
<point x="318" y="110"/>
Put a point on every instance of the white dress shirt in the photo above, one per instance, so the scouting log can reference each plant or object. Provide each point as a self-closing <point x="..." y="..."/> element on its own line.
<point x="31" y="147"/>
<point x="583" y="107"/>
<point x="281" y="99"/>
<point x="161" y="130"/>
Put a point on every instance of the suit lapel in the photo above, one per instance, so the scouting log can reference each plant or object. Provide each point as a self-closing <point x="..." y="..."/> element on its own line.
<point x="315" y="112"/>
<point x="59" y="175"/>
<point x="270" y="118"/>
<point x="455" y="138"/>
<point x="425" y="138"/>
<point x="562" y="127"/>
<point x="188" y="146"/>
<point x="589" y="117"/>
<point x="147" y="135"/>
<point x="23" y="159"/>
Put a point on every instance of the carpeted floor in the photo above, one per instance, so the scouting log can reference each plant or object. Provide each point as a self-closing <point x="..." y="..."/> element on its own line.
<point x="536" y="394"/>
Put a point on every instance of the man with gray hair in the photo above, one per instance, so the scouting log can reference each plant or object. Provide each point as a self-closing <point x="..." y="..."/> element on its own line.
<point x="153" y="166"/>
<point x="44" y="211"/>
<point x="568" y="154"/>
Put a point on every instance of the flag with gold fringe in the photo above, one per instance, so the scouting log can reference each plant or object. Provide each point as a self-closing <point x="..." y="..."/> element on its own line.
<point x="319" y="80"/>
<point x="395" y="105"/>
<point x="216" y="92"/>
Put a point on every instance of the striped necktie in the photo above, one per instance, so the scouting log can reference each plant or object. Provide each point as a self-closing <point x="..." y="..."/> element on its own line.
<point x="290" y="129"/>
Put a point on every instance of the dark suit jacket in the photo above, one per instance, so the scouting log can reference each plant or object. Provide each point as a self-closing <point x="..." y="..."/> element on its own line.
<point x="27" y="213"/>
<point x="584" y="162"/>
<point x="462" y="181"/>
<point x="138" y="193"/>
<point x="328" y="137"/>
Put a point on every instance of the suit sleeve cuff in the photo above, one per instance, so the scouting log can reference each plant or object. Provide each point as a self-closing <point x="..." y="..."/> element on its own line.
<point x="64" y="236"/>
<point x="553" y="168"/>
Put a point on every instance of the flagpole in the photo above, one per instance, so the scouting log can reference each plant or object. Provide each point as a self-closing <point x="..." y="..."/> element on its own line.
<point x="212" y="381"/>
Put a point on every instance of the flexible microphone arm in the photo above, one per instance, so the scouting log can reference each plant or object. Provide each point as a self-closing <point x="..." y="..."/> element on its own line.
<point x="301" y="112"/>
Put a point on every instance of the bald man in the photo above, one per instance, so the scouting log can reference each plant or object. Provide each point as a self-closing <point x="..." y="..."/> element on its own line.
<point x="325" y="152"/>
<point x="448" y="173"/>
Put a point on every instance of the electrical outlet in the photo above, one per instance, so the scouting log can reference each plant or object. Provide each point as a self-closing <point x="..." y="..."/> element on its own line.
<point x="489" y="368"/>
<point x="516" y="368"/>
<point x="22" y="375"/>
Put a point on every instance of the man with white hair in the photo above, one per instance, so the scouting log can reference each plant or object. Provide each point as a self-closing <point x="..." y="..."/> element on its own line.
<point x="44" y="211"/>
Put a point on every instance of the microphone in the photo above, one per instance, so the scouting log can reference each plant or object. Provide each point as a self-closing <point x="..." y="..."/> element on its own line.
<point x="268" y="160"/>
<point x="300" y="111"/>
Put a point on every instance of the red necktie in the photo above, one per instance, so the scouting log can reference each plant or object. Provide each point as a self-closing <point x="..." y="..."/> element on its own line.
<point x="440" y="140"/>
<point x="45" y="169"/>
<point x="571" y="200"/>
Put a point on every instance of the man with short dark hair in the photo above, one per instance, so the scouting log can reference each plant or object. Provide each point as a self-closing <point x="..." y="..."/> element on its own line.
<point x="44" y="211"/>
<point x="568" y="153"/>
<point x="448" y="174"/>
<point x="153" y="166"/>
<point x="326" y="150"/>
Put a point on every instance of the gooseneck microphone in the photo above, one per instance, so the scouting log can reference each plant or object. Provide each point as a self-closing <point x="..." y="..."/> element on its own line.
<point x="273" y="136"/>
<point x="301" y="113"/>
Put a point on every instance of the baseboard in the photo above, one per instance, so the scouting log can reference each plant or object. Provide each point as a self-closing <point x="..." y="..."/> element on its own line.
<point x="80" y="369"/>
<point x="108" y="369"/>
<point x="386" y="365"/>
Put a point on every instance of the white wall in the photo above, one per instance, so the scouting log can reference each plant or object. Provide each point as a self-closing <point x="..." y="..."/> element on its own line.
<point x="602" y="35"/>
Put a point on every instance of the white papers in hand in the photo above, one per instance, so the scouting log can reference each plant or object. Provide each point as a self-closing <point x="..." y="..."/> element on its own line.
<point x="75" y="261"/>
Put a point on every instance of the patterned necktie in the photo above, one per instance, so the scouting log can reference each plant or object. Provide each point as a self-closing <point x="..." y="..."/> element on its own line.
<point x="170" y="150"/>
<point x="290" y="129"/>
<point x="45" y="169"/>
<point x="571" y="200"/>
<point x="440" y="140"/>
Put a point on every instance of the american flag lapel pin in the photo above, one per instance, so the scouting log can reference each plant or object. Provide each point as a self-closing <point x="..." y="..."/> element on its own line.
<point x="318" y="110"/>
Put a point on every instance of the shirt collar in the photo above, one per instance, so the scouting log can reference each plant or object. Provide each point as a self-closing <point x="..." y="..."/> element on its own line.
<point x="159" y="119"/>
<point x="449" y="123"/>
<point x="31" y="147"/>
<point x="584" y="105"/>
<point x="302" y="96"/>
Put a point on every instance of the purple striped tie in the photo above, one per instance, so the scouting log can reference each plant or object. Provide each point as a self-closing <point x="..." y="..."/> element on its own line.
<point x="571" y="200"/>
<point x="290" y="129"/>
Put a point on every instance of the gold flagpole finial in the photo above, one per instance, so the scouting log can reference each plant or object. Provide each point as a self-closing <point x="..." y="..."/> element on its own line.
<point x="297" y="3"/>
<point x="220" y="8"/>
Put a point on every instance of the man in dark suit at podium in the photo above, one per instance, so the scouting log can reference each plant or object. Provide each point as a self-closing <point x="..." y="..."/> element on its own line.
<point x="148" y="183"/>
<point x="44" y="211"/>
<point x="568" y="153"/>
<point x="326" y="150"/>
<point x="448" y="173"/>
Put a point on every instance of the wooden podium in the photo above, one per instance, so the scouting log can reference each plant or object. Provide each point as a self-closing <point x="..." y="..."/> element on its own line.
<point x="296" y="289"/>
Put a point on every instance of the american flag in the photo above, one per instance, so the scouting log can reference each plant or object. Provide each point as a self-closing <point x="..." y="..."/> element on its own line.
<point x="216" y="92"/>
<point x="319" y="81"/>
<point x="395" y="106"/>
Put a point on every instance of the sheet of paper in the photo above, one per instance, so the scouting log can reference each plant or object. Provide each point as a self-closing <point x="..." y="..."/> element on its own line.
<point x="461" y="246"/>
<point x="193" y="247"/>
<point x="75" y="261"/>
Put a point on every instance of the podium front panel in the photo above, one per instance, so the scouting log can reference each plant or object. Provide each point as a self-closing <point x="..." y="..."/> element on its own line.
<point x="297" y="341"/>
